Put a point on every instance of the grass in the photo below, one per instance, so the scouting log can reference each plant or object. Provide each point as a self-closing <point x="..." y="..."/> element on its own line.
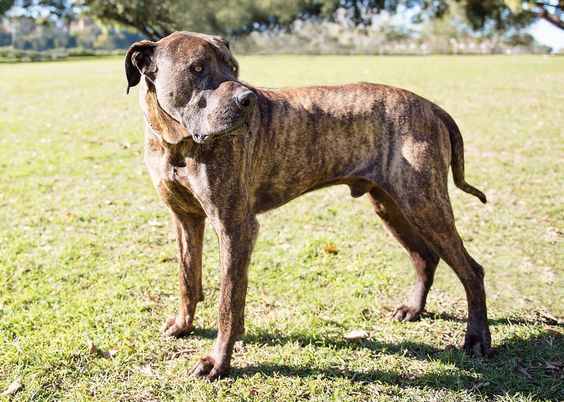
<point x="87" y="253"/>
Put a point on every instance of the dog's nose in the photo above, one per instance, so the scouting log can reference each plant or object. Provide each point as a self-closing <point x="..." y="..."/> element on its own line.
<point x="246" y="99"/>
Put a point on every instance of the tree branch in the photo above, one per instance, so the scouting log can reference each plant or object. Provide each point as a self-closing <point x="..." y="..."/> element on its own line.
<point x="140" y="26"/>
<point x="548" y="16"/>
<point x="544" y="3"/>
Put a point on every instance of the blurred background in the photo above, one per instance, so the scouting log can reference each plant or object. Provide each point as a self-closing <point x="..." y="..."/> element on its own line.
<point x="52" y="29"/>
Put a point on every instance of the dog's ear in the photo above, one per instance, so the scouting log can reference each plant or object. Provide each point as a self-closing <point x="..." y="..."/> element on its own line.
<point x="222" y="45"/>
<point x="223" y="41"/>
<point x="139" y="60"/>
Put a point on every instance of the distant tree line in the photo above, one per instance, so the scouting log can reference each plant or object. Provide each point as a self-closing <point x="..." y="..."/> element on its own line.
<point x="158" y="18"/>
<point x="111" y="24"/>
<point x="386" y="35"/>
<point x="27" y="33"/>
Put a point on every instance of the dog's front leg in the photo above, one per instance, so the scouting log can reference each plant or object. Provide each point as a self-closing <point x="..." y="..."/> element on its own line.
<point x="189" y="237"/>
<point x="236" y="244"/>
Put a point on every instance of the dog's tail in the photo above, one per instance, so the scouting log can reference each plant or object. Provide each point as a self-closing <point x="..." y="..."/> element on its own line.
<point x="457" y="156"/>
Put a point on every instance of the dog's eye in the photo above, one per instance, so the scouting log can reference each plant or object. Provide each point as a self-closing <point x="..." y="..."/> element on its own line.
<point x="198" y="69"/>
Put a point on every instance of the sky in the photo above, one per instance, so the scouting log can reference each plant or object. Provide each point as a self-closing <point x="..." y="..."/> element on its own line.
<point x="547" y="34"/>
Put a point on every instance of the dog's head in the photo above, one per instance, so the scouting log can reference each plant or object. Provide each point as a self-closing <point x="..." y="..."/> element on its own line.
<point x="192" y="86"/>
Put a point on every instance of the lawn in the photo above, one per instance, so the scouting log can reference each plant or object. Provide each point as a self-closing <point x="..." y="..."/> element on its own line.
<point x="88" y="259"/>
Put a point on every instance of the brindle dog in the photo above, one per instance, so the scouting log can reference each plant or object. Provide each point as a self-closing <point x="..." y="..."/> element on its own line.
<point x="218" y="148"/>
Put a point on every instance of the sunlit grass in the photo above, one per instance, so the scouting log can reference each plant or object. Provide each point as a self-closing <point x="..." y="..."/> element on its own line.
<point x="86" y="251"/>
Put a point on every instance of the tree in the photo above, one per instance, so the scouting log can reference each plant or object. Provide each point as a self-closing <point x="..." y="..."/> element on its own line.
<point x="503" y="14"/>
<point x="551" y="11"/>
<point x="158" y="18"/>
<point x="53" y="9"/>
<point x="153" y="18"/>
<point x="509" y="13"/>
<point x="5" y="5"/>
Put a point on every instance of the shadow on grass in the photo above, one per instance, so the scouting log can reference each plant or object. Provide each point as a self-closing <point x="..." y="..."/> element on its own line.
<point x="491" y="321"/>
<point x="531" y="367"/>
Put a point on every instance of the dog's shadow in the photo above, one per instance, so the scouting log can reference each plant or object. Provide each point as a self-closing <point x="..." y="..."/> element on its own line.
<point x="530" y="367"/>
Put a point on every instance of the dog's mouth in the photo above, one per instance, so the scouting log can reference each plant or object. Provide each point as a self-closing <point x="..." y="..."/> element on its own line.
<point x="232" y="131"/>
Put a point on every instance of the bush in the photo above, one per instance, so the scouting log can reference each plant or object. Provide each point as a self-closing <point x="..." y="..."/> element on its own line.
<point x="80" y="52"/>
<point x="10" y="55"/>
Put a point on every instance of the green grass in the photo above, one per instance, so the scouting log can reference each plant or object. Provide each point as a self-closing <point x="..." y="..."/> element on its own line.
<point x="87" y="253"/>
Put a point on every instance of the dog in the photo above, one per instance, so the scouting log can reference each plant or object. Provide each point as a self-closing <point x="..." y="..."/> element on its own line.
<point x="221" y="149"/>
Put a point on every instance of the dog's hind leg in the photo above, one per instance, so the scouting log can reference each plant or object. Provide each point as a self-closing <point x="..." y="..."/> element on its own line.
<point x="189" y="236"/>
<point x="435" y="222"/>
<point x="423" y="258"/>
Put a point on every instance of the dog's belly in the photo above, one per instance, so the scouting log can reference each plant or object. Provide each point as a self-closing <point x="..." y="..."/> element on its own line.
<point x="270" y="197"/>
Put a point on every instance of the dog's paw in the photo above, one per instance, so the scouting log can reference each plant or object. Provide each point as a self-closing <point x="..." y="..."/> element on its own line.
<point x="209" y="369"/>
<point x="176" y="326"/>
<point x="477" y="345"/>
<point x="406" y="313"/>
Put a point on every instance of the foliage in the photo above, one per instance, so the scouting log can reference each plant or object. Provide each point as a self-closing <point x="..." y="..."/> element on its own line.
<point x="86" y="251"/>
<point x="313" y="36"/>
<point x="31" y="35"/>
<point x="452" y="35"/>
<point x="5" y="5"/>
<point x="158" y="18"/>
<point x="153" y="18"/>
<point x="521" y="39"/>
<point x="8" y="54"/>
<point x="448" y="36"/>
<point x="549" y="10"/>
<point x="59" y="10"/>
<point x="338" y="35"/>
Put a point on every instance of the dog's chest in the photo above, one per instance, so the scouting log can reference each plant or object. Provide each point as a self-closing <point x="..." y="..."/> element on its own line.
<point x="176" y="180"/>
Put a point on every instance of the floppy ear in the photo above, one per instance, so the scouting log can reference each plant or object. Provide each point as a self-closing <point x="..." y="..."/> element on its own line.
<point x="222" y="45"/>
<point x="220" y="40"/>
<point x="139" y="60"/>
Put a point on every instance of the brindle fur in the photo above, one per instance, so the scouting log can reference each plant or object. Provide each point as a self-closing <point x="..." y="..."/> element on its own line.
<point x="210" y="157"/>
